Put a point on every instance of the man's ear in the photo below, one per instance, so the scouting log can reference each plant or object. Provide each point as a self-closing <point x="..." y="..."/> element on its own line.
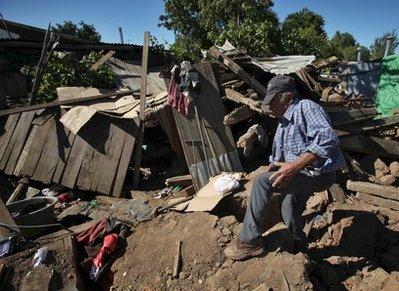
<point x="288" y="97"/>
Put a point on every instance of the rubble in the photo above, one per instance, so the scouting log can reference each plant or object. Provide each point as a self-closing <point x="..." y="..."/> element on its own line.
<point x="82" y="150"/>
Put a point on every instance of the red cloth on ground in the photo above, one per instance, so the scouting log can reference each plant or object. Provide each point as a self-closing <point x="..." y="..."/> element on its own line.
<point x="108" y="247"/>
<point x="87" y="236"/>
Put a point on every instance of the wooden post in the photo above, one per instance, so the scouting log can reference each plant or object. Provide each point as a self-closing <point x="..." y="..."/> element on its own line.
<point x="139" y="140"/>
<point x="49" y="44"/>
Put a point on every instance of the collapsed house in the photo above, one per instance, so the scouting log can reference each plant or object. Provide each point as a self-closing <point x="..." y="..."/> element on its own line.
<point x="87" y="140"/>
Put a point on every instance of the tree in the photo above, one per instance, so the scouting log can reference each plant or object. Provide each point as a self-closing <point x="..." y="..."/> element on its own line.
<point x="345" y="46"/>
<point x="378" y="47"/>
<point x="82" y="30"/>
<point x="199" y="24"/>
<point x="303" y="33"/>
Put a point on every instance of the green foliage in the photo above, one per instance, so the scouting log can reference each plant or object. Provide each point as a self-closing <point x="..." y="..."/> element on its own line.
<point x="66" y="69"/>
<point x="303" y="33"/>
<point x="82" y="30"/>
<point x="378" y="47"/>
<point x="344" y="46"/>
<point x="157" y="50"/>
<point x="343" y="39"/>
<point x="198" y="24"/>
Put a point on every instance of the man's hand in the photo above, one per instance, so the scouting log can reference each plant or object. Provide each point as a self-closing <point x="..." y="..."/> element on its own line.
<point x="284" y="175"/>
<point x="287" y="171"/>
<point x="271" y="167"/>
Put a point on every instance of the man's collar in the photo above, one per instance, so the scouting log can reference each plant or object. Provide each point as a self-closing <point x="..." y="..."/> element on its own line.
<point x="290" y="110"/>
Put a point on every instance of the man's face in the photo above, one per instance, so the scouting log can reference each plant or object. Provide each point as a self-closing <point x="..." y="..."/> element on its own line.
<point x="279" y="105"/>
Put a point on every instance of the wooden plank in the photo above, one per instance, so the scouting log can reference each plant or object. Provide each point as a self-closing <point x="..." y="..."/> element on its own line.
<point x="389" y="192"/>
<point x="183" y="181"/>
<point x="103" y="59"/>
<point x="9" y="128"/>
<point x="139" y="140"/>
<point x="21" y="187"/>
<point x="378" y="201"/>
<point x="124" y="159"/>
<point x="337" y="193"/>
<point x="239" y="98"/>
<point x="77" y="117"/>
<point x="240" y="72"/>
<point x="16" y="143"/>
<point x="49" y="158"/>
<point x="24" y="154"/>
<point x="109" y="162"/>
<point x="35" y="149"/>
<point x="64" y="102"/>
<point x="370" y="145"/>
<point x="74" y="161"/>
<point x="239" y="114"/>
<point x="66" y="139"/>
<point x="96" y="135"/>
<point x="88" y="167"/>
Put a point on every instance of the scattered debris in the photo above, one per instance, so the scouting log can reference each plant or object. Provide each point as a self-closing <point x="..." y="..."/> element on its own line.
<point x="205" y="128"/>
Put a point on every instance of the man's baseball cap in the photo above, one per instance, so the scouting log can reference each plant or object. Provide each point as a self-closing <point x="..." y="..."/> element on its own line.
<point x="278" y="84"/>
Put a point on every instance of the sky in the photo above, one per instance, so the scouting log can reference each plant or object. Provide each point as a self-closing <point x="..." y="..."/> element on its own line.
<point x="364" y="19"/>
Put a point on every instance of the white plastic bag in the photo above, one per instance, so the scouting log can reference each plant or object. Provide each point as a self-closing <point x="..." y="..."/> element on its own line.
<point x="39" y="257"/>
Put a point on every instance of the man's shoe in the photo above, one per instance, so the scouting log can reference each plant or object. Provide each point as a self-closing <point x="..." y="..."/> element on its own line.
<point x="238" y="250"/>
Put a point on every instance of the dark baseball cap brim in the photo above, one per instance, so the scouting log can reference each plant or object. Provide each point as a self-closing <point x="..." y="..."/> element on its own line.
<point x="269" y="96"/>
<point x="278" y="84"/>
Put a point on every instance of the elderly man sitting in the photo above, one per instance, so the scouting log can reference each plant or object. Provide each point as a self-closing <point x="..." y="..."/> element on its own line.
<point x="305" y="157"/>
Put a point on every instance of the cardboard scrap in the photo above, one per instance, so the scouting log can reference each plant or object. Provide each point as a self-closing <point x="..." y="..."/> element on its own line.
<point x="207" y="197"/>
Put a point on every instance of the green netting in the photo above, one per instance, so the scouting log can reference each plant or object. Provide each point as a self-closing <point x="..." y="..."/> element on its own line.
<point x="387" y="99"/>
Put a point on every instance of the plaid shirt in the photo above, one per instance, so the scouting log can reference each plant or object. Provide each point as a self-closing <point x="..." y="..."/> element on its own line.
<point x="305" y="127"/>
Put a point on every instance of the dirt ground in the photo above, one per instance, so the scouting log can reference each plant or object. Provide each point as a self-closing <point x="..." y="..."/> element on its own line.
<point x="148" y="261"/>
<point x="356" y="249"/>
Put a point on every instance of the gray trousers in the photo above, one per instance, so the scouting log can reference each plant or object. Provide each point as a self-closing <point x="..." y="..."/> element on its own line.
<point x="295" y="195"/>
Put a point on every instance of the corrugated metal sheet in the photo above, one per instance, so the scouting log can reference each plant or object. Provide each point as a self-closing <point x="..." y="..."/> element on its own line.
<point x="279" y="65"/>
<point x="128" y="74"/>
<point x="363" y="77"/>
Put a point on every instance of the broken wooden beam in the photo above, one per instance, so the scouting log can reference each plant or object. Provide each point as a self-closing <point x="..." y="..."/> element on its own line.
<point x="177" y="260"/>
<point x="186" y="192"/>
<point x="337" y="193"/>
<point x="183" y="181"/>
<point x="378" y="201"/>
<point x="239" y="98"/>
<point x="102" y="60"/>
<point x="389" y="192"/>
<point x="240" y="72"/>
<point x="238" y="114"/>
<point x="248" y="138"/>
<point x="22" y="186"/>
<point x="8" y="112"/>
<point x="370" y="145"/>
